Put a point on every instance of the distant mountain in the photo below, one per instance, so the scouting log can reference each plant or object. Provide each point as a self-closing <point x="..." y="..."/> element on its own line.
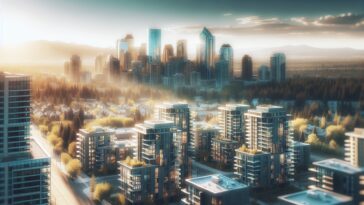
<point x="48" y="53"/>
<point x="309" y="53"/>
<point x="44" y="55"/>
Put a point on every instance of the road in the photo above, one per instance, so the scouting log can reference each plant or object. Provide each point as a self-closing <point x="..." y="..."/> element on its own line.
<point x="63" y="191"/>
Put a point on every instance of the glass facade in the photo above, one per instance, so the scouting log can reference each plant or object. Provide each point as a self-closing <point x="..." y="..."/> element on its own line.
<point x="154" y="49"/>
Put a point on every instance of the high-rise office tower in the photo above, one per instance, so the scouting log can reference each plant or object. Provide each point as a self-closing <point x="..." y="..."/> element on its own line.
<point x="263" y="73"/>
<point x="222" y="73"/>
<point x="113" y="68"/>
<point x="24" y="164"/>
<point x="126" y="52"/>
<point x="75" y="68"/>
<point x="232" y="121"/>
<point x="268" y="130"/>
<point x="100" y="62"/>
<point x="246" y="68"/>
<point x="278" y="67"/>
<point x="182" y="49"/>
<point x="226" y="53"/>
<point x="354" y="147"/>
<point x="167" y="53"/>
<point x="154" y="44"/>
<point x="207" y="53"/>
<point x="66" y="67"/>
<point x="179" y="113"/>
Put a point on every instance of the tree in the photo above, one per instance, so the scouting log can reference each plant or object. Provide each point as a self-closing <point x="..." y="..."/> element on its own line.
<point x="65" y="158"/>
<point x="92" y="183"/>
<point x="72" y="149"/>
<point x="336" y="132"/>
<point x="333" y="144"/>
<point x="312" y="139"/>
<point x="121" y="199"/>
<point x="298" y="123"/>
<point x="348" y="122"/>
<point x="323" y="122"/>
<point x="74" y="168"/>
<point x="102" y="191"/>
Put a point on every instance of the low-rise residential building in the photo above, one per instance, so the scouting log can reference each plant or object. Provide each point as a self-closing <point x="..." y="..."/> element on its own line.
<point x="300" y="156"/>
<point x="315" y="197"/>
<point x="215" y="189"/>
<point x="339" y="176"/>
<point x="223" y="151"/>
<point x="252" y="167"/>
<point x="354" y="147"/>
<point x="138" y="180"/>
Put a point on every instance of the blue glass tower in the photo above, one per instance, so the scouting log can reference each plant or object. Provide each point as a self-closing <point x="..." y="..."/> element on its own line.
<point x="154" y="46"/>
<point x="207" y="53"/>
<point x="226" y="53"/>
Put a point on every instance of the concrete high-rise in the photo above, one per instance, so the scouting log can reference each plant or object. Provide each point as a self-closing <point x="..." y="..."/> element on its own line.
<point x="179" y="113"/>
<point x="112" y="68"/>
<point x="207" y="53"/>
<point x="263" y="73"/>
<point x="231" y="120"/>
<point x="278" y="67"/>
<point x="24" y="164"/>
<point x="246" y="68"/>
<point x="75" y="68"/>
<point x="182" y="49"/>
<point x="226" y="53"/>
<point x="222" y="73"/>
<point x="154" y="44"/>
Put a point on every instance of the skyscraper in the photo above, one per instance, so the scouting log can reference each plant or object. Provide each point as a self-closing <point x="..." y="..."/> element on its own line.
<point x="222" y="73"/>
<point x="182" y="49"/>
<point x="263" y="73"/>
<point x="154" y="44"/>
<point x="24" y="164"/>
<point x="113" y="68"/>
<point x="167" y="53"/>
<point x="246" y="68"/>
<point x="75" y="68"/>
<point x="226" y="53"/>
<point x="278" y="67"/>
<point x="354" y="147"/>
<point x="126" y="52"/>
<point x="207" y="53"/>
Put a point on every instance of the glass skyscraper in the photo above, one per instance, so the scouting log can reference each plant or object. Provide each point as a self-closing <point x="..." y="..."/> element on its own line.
<point x="207" y="53"/>
<point x="154" y="44"/>
<point x="278" y="67"/>
<point x="226" y="53"/>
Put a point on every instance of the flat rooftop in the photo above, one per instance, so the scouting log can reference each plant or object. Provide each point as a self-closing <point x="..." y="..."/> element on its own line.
<point x="155" y="124"/>
<point x="231" y="107"/>
<point x="12" y="75"/>
<point x="339" y="165"/>
<point x="215" y="184"/>
<point x="358" y="133"/>
<point x="173" y="105"/>
<point x="266" y="109"/>
<point x="315" y="197"/>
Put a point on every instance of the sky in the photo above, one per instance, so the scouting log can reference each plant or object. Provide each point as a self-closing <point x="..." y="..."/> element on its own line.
<point x="248" y="24"/>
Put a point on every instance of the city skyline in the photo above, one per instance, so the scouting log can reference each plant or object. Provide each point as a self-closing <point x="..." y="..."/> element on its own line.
<point x="243" y="24"/>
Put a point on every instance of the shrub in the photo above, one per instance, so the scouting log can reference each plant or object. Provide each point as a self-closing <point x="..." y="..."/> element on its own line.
<point x="102" y="191"/>
<point x="65" y="158"/>
<point x="74" y="167"/>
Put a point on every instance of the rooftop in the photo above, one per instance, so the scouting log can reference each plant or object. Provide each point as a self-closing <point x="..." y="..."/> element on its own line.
<point x="215" y="184"/>
<point x="11" y="75"/>
<point x="315" y="197"/>
<point x="339" y="165"/>
<point x="266" y="109"/>
<point x="231" y="107"/>
<point x="173" y="105"/>
<point x="155" y="124"/>
<point x="357" y="133"/>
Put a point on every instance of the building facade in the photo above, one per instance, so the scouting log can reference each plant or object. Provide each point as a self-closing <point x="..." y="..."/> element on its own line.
<point x="232" y="123"/>
<point x="227" y="54"/>
<point x="154" y="44"/>
<point x="278" y="67"/>
<point x="202" y="135"/>
<point x="206" y="53"/>
<point x="182" y="49"/>
<point x="223" y="151"/>
<point x="354" y="147"/>
<point x="246" y="68"/>
<point x="24" y="164"/>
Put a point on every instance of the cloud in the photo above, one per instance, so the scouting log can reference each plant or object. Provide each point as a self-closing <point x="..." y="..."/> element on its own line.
<point x="227" y="14"/>
<point x="257" y="21"/>
<point x="342" y="19"/>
